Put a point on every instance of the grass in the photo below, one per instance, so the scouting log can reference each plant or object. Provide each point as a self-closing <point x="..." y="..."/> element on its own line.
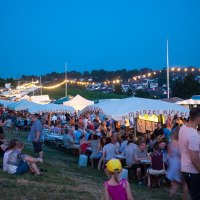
<point x="73" y="90"/>
<point x="64" y="180"/>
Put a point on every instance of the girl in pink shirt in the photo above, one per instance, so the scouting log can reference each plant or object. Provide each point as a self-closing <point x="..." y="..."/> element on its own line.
<point x="116" y="189"/>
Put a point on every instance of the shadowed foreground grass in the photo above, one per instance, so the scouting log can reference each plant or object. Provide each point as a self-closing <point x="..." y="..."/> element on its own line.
<point x="64" y="180"/>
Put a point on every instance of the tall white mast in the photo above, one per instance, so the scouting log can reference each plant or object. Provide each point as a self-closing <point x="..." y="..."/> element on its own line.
<point x="167" y="71"/>
<point x="41" y="85"/>
<point x="66" y="79"/>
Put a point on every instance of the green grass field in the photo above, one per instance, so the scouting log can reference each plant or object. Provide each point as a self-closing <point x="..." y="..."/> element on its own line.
<point x="73" y="90"/>
<point x="64" y="180"/>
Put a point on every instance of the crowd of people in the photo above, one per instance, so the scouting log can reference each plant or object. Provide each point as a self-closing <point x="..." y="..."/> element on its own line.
<point x="170" y="153"/>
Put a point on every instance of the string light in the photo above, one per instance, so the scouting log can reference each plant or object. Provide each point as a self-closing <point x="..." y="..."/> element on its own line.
<point x="33" y="84"/>
<point x="54" y="86"/>
<point x="172" y="69"/>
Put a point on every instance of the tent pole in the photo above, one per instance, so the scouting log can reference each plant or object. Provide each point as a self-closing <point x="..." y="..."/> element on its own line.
<point x="135" y="127"/>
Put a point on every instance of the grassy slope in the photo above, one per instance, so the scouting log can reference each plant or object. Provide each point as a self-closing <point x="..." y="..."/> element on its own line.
<point x="64" y="180"/>
<point x="74" y="90"/>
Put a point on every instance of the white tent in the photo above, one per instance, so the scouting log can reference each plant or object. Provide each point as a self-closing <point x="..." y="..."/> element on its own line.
<point x="78" y="103"/>
<point x="133" y="107"/>
<point x="21" y="105"/>
<point x="50" y="107"/>
<point x="189" y="102"/>
<point x="5" y="103"/>
<point x="26" y="97"/>
<point x="41" y="99"/>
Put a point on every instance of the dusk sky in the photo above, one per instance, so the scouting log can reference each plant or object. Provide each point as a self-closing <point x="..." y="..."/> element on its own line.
<point x="39" y="36"/>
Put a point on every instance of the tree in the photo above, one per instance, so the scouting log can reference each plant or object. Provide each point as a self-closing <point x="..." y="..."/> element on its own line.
<point x="186" y="88"/>
<point x="129" y="92"/>
<point x="142" y="94"/>
<point x="177" y="88"/>
<point x="190" y="86"/>
<point x="118" y="88"/>
<point x="86" y="75"/>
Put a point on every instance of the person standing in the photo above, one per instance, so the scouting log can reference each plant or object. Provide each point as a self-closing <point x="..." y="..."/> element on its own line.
<point x="35" y="135"/>
<point x="158" y="131"/>
<point x="115" y="188"/>
<point x="189" y="142"/>
<point x="174" y="166"/>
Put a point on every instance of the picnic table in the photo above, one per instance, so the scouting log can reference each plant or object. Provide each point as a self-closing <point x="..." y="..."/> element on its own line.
<point x="54" y="138"/>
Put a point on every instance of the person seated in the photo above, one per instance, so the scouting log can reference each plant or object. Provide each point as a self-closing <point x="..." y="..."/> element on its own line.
<point x="94" y="147"/>
<point x="102" y="143"/>
<point x="2" y="123"/>
<point x="153" y="140"/>
<point x="115" y="142"/>
<point x="68" y="141"/>
<point x="147" y="137"/>
<point x="123" y="143"/>
<point x="129" y="152"/>
<point x="163" y="149"/>
<point x="11" y="147"/>
<point x="109" y="150"/>
<point x="140" y="154"/>
<point x="19" y="163"/>
<point x="77" y="135"/>
<point x="9" y="125"/>
<point x="88" y="133"/>
<point x="57" y="129"/>
<point x="84" y="144"/>
<point x="3" y="144"/>
<point x="157" y="163"/>
<point x="90" y="126"/>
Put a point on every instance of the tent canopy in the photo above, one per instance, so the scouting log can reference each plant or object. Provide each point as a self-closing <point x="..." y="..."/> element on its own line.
<point x="26" y="97"/>
<point x="21" y="105"/>
<point x="172" y="100"/>
<point x="61" y="100"/>
<point x="5" y="103"/>
<point x="50" y="107"/>
<point x="41" y="99"/>
<point x="133" y="107"/>
<point x="189" y="102"/>
<point x="78" y="103"/>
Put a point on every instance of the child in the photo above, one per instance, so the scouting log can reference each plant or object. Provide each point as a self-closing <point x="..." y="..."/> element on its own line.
<point x="116" y="189"/>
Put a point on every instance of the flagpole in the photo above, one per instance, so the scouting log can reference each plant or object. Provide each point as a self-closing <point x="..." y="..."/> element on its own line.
<point x="167" y="71"/>
<point x="66" y="79"/>
<point x="41" y="85"/>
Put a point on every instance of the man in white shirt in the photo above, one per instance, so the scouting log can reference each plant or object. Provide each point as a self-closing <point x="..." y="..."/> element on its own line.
<point x="189" y="141"/>
<point x="85" y="121"/>
<point x="54" y="118"/>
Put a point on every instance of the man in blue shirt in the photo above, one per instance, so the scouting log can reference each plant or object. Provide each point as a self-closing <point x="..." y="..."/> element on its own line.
<point x="167" y="133"/>
<point x="35" y="135"/>
<point x="77" y="135"/>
